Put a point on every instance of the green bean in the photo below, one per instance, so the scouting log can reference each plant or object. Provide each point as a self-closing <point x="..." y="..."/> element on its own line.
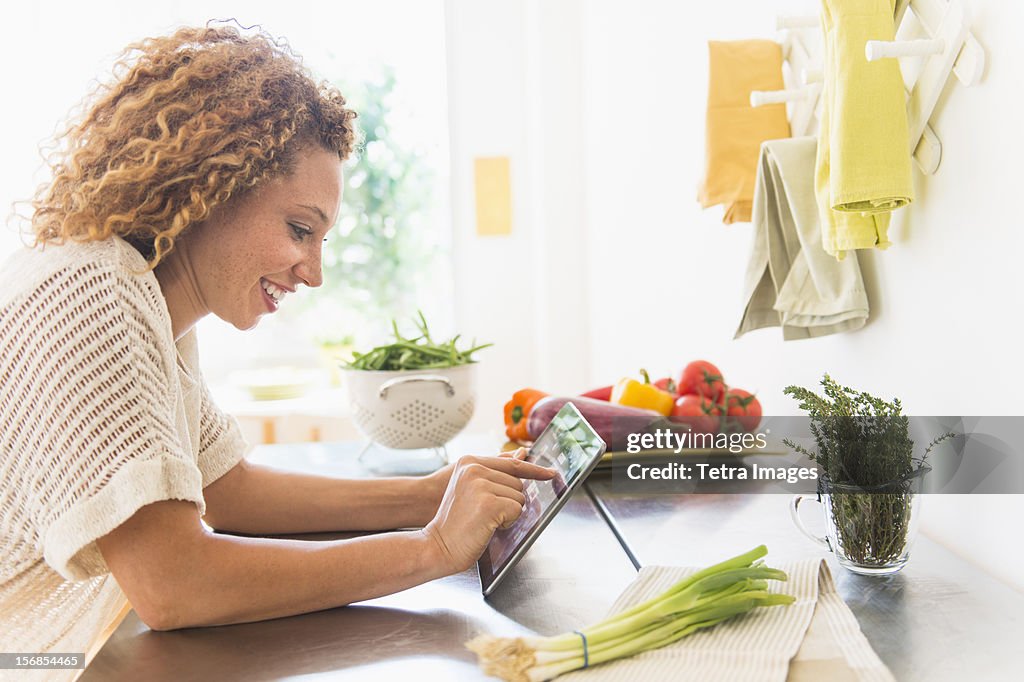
<point x="420" y="352"/>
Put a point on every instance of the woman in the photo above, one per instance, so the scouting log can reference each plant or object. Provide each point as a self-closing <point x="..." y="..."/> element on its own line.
<point x="203" y="181"/>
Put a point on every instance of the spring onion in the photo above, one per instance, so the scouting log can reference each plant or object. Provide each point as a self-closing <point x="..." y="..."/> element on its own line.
<point x="420" y="352"/>
<point x="702" y="600"/>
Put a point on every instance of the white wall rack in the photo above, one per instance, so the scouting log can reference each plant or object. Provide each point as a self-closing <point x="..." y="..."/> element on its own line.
<point x="947" y="46"/>
<point x="803" y="80"/>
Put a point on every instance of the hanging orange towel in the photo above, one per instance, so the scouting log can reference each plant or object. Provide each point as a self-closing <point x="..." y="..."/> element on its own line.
<point x="735" y="130"/>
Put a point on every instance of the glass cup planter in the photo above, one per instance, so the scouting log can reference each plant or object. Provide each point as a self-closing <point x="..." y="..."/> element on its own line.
<point x="869" y="529"/>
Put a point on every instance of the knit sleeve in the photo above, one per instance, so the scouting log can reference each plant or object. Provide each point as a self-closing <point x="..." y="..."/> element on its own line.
<point x="95" y="426"/>
<point x="221" y="444"/>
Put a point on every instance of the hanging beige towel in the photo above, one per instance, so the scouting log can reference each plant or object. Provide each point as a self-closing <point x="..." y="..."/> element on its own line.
<point x="735" y="130"/>
<point x="816" y="637"/>
<point x="863" y="163"/>
<point x="791" y="282"/>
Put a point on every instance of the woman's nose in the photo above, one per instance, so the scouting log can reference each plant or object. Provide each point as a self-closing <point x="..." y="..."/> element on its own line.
<point x="310" y="270"/>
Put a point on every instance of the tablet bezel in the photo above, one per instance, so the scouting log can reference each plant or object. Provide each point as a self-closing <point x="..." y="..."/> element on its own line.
<point x="484" y="568"/>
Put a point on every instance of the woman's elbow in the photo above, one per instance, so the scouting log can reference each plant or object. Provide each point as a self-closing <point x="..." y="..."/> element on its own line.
<point x="160" y="617"/>
<point x="168" y="609"/>
<point x="153" y="556"/>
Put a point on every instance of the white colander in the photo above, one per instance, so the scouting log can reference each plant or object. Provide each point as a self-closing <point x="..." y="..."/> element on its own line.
<point x="411" y="408"/>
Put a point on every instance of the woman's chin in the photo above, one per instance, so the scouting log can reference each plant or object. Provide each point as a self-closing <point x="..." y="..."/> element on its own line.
<point x="244" y="324"/>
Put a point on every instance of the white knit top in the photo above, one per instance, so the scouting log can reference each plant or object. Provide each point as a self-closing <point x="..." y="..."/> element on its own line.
<point x="101" y="413"/>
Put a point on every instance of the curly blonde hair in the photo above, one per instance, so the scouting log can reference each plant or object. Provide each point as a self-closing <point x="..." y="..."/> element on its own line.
<point x="193" y="119"/>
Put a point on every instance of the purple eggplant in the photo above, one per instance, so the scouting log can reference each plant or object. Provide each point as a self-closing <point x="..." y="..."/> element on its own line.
<point x="612" y="422"/>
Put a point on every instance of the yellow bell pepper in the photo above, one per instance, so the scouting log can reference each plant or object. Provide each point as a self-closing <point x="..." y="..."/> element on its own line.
<point x="646" y="395"/>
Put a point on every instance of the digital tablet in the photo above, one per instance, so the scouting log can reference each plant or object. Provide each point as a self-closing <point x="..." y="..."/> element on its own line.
<point x="569" y="445"/>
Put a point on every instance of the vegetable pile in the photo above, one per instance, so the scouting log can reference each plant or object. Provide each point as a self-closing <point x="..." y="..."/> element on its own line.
<point x="704" y="599"/>
<point x="420" y="352"/>
<point x="700" y="399"/>
<point x="530" y="411"/>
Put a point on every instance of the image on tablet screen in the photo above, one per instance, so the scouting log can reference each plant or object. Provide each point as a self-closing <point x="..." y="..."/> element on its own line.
<point x="567" y="448"/>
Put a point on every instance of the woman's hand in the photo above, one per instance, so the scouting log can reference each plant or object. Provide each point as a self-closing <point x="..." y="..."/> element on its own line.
<point x="437" y="482"/>
<point x="483" y="494"/>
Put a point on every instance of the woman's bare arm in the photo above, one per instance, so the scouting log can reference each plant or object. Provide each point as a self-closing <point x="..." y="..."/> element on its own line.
<point x="258" y="500"/>
<point x="178" y="574"/>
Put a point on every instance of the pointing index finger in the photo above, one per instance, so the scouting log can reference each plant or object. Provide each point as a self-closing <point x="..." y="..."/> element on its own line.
<point x="521" y="469"/>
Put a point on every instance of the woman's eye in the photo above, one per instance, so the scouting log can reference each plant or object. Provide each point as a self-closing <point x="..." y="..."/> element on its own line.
<point x="300" y="233"/>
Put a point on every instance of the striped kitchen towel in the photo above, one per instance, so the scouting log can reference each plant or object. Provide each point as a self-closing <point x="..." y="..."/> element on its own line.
<point x="815" y="638"/>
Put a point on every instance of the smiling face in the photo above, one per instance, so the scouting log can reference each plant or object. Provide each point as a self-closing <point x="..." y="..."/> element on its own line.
<point x="255" y="251"/>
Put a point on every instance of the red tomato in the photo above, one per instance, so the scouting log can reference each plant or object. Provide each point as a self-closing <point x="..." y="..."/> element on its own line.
<point x="701" y="378"/>
<point x="668" y="385"/>
<point x="744" y="407"/>
<point x="698" y="412"/>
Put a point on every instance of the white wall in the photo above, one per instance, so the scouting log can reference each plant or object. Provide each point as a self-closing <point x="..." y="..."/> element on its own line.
<point x="939" y="296"/>
<point x="663" y="278"/>
<point x="486" y="46"/>
<point x="514" y="90"/>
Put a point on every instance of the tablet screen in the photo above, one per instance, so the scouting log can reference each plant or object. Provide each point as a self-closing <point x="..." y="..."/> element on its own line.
<point x="571" y="447"/>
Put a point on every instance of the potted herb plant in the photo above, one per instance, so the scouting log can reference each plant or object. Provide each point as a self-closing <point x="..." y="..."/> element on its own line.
<point x="870" y="481"/>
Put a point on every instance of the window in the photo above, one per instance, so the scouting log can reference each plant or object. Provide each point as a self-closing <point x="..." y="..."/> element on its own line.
<point x="389" y="254"/>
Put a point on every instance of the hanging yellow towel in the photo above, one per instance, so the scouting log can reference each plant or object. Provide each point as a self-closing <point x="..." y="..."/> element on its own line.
<point x="735" y="130"/>
<point x="863" y="163"/>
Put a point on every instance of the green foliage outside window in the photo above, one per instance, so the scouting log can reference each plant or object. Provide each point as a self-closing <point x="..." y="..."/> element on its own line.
<point x="382" y="247"/>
